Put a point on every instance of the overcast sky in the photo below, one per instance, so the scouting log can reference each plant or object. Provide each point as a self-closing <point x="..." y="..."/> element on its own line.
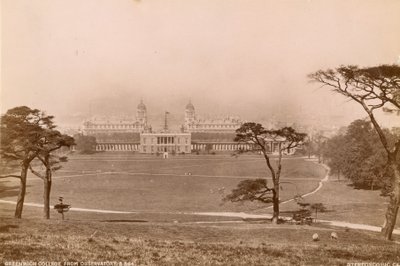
<point x="250" y="58"/>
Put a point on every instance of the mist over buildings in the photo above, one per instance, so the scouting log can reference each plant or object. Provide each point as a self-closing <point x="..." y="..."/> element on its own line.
<point x="75" y="59"/>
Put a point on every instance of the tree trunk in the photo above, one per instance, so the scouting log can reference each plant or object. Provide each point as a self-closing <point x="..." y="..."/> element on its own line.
<point x="46" y="194"/>
<point x="22" y="190"/>
<point x="394" y="202"/>
<point x="275" y="201"/>
<point x="373" y="183"/>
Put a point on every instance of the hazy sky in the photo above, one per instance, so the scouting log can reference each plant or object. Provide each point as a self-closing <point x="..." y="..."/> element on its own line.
<point x="250" y="58"/>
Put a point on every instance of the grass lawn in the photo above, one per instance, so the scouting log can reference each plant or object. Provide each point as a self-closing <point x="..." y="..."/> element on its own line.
<point x="151" y="184"/>
<point x="188" y="244"/>
<point x="161" y="234"/>
<point x="344" y="203"/>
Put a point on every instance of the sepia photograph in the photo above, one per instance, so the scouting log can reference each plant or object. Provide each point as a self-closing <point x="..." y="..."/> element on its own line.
<point x="199" y="132"/>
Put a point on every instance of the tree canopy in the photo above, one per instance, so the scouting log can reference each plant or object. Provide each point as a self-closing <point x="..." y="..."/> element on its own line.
<point x="359" y="156"/>
<point x="251" y="190"/>
<point x="21" y="133"/>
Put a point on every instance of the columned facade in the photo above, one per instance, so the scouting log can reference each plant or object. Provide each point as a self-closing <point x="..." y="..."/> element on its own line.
<point x="117" y="147"/>
<point x="181" y="143"/>
<point x="272" y="146"/>
<point x="165" y="142"/>
<point x="220" y="146"/>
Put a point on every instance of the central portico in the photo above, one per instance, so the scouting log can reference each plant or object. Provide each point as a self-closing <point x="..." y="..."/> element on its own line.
<point x="165" y="142"/>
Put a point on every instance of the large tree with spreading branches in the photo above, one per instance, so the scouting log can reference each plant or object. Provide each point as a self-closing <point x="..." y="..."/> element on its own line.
<point x="373" y="88"/>
<point x="21" y="132"/>
<point x="258" y="137"/>
<point x="52" y="141"/>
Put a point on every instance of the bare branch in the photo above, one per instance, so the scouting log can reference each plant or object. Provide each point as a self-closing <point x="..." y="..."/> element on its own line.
<point x="36" y="173"/>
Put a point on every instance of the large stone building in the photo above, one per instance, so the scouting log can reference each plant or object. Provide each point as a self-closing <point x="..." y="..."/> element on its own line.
<point x="219" y="124"/>
<point x="217" y="134"/>
<point x="110" y="125"/>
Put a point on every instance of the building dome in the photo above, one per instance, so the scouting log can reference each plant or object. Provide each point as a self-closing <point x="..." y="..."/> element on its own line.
<point x="190" y="107"/>
<point x="141" y="106"/>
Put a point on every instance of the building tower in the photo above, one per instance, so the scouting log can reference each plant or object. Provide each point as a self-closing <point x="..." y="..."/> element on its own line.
<point x="141" y="115"/>
<point x="190" y="118"/>
<point x="189" y="113"/>
<point x="166" y="122"/>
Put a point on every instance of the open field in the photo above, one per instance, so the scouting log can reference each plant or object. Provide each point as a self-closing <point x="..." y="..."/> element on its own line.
<point x="344" y="203"/>
<point x="163" y="228"/>
<point x="158" y="190"/>
<point x="188" y="244"/>
<point x="136" y="183"/>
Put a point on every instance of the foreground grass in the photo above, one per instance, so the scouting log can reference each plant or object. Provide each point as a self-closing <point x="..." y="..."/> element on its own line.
<point x="188" y="244"/>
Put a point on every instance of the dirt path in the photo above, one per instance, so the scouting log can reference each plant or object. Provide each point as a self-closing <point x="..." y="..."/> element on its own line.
<point x="242" y="215"/>
<point x="320" y="184"/>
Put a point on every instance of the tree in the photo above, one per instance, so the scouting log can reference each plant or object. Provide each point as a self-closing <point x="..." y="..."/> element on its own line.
<point x="336" y="153"/>
<point x="358" y="155"/>
<point x="319" y="141"/>
<point x="52" y="141"/>
<point x="85" y="144"/>
<point x="257" y="189"/>
<point x="21" y="132"/>
<point x="308" y="147"/>
<point x="366" y="155"/>
<point x="315" y="145"/>
<point x="373" y="88"/>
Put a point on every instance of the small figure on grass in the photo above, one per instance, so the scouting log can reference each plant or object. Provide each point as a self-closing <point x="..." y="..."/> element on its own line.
<point x="61" y="207"/>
